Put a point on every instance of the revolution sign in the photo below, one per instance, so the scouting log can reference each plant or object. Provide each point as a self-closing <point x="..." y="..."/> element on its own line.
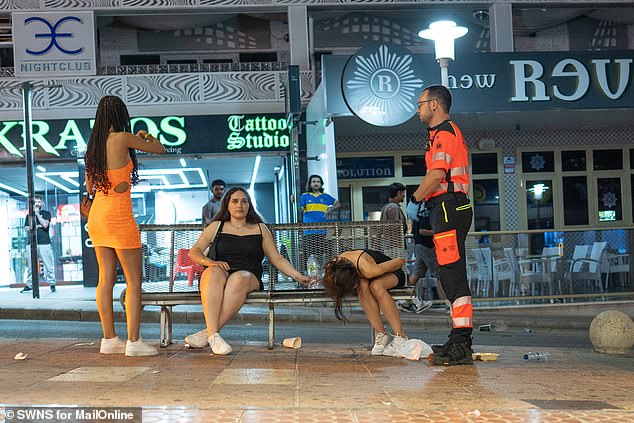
<point x="492" y="82"/>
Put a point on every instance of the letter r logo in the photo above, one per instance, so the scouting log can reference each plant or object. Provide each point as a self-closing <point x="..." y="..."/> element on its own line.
<point x="384" y="83"/>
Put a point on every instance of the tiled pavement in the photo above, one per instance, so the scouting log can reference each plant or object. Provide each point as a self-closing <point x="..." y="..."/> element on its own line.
<point x="338" y="382"/>
<point x="320" y="383"/>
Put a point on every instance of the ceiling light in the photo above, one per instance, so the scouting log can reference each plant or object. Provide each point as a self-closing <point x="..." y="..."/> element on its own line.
<point x="444" y="33"/>
<point x="149" y="179"/>
<point x="41" y="168"/>
<point x="47" y="177"/>
<point x="14" y="190"/>
<point x="183" y="162"/>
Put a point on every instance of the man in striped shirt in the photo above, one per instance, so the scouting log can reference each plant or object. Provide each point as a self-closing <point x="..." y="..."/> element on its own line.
<point x="315" y="204"/>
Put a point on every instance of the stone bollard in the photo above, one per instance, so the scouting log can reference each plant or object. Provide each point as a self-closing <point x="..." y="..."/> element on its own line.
<point x="612" y="332"/>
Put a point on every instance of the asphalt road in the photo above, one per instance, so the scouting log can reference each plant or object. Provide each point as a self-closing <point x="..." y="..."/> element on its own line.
<point x="330" y="333"/>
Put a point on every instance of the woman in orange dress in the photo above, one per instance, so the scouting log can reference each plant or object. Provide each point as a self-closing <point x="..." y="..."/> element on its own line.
<point x="111" y="170"/>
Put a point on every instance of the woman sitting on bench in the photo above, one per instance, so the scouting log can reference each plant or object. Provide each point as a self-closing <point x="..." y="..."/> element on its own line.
<point x="369" y="274"/>
<point x="241" y="243"/>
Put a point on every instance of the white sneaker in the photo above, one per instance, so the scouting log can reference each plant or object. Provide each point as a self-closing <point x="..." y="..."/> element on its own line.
<point x="421" y="305"/>
<point x="112" y="346"/>
<point x="139" y="348"/>
<point x="405" y="306"/>
<point x="197" y="340"/>
<point x="380" y="341"/>
<point x="392" y="349"/>
<point x="218" y="345"/>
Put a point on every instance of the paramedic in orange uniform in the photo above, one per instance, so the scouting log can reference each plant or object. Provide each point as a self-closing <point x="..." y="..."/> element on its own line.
<point x="111" y="169"/>
<point x="444" y="190"/>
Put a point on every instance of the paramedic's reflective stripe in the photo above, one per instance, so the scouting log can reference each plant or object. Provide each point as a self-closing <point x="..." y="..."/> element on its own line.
<point x="444" y="187"/>
<point x="456" y="171"/>
<point x="442" y="156"/>
<point x="462" y="313"/>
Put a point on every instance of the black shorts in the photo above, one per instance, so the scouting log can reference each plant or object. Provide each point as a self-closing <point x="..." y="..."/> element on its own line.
<point x="400" y="277"/>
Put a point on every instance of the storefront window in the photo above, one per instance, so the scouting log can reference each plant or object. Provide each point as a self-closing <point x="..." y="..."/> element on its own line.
<point x="539" y="201"/>
<point x="609" y="199"/>
<point x="344" y="212"/>
<point x="607" y="159"/>
<point x="482" y="163"/>
<point x="413" y="165"/>
<point x="374" y="198"/>
<point x="486" y="205"/>
<point x="572" y="161"/>
<point x="575" y="195"/>
<point x="538" y="161"/>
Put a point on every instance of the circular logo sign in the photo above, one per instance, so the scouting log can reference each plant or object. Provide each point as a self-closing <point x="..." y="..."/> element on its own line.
<point x="381" y="84"/>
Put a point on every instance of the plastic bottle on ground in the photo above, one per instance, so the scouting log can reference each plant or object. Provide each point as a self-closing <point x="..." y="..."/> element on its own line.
<point x="537" y="356"/>
<point x="312" y="267"/>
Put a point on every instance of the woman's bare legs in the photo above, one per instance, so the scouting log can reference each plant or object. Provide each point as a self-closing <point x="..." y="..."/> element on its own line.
<point x="130" y="260"/>
<point x="212" y="289"/>
<point x="238" y="285"/>
<point x="378" y="288"/>
<point x="107" y="261"/>
<point x="370" y="306"/>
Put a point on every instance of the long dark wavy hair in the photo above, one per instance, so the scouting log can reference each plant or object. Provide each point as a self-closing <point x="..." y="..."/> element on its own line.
<point x="310" y="179"/>
<point x="341" y="279"/>
<point x="111" y="114"/>
<point x="223" y="214"/>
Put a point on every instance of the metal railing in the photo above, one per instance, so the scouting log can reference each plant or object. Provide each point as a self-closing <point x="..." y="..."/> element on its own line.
<point x="8" y="72"/>
<point x="167" y="268"/>
<point x="536" y="266"/>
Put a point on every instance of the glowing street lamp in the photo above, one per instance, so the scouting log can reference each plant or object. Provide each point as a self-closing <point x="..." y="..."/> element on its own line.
<point x="443" y="33"/>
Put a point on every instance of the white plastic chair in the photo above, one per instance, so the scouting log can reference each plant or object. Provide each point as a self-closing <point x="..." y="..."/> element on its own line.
<point x="540" y="270"/>
<point x="589" y="270"/>
<point x="505" y="270"/>
<point x="618" y="264"/>
<point x="484" y="274"/>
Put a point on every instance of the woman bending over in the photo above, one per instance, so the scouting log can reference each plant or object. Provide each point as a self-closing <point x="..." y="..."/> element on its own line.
<point x="369" y="274"/>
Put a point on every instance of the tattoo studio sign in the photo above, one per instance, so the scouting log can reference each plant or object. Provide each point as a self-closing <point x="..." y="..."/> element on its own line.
<point x="257" y="133"/>
<point x="179" y="134"/>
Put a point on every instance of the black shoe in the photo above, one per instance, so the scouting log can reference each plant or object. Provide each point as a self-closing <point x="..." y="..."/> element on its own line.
<point x="26" y="290"/>
<point x="52" y="288"/>
<point x="455" y="354"/>
<point x="439" y="349"/>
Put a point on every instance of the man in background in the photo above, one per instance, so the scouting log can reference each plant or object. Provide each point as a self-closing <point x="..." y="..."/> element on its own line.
<point x="425" y="253"/>
<point x="391" y="211"/>
<point x="213" y="206"/>
<point x="44" y="249"/>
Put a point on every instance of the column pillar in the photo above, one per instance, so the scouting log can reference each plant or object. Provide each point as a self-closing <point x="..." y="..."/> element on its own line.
<point x="501" y="27"/>
<point x="298" y="36"/>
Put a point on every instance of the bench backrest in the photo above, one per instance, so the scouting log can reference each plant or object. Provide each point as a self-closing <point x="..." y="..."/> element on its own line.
<point x="296" y="242"/>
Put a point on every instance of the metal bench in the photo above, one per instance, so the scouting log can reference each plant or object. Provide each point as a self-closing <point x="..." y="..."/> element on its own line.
<point x="162" y="287"/>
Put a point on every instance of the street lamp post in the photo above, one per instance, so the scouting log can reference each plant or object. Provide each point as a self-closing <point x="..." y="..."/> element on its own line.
<point x="443" y="33"/>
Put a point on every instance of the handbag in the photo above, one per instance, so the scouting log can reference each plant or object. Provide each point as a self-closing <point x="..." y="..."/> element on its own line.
<point x="85" y="205"/>
<point x="211" y="250"/>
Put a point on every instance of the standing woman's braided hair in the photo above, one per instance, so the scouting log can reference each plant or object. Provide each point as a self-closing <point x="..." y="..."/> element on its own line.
<point x="112" y="114"/>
